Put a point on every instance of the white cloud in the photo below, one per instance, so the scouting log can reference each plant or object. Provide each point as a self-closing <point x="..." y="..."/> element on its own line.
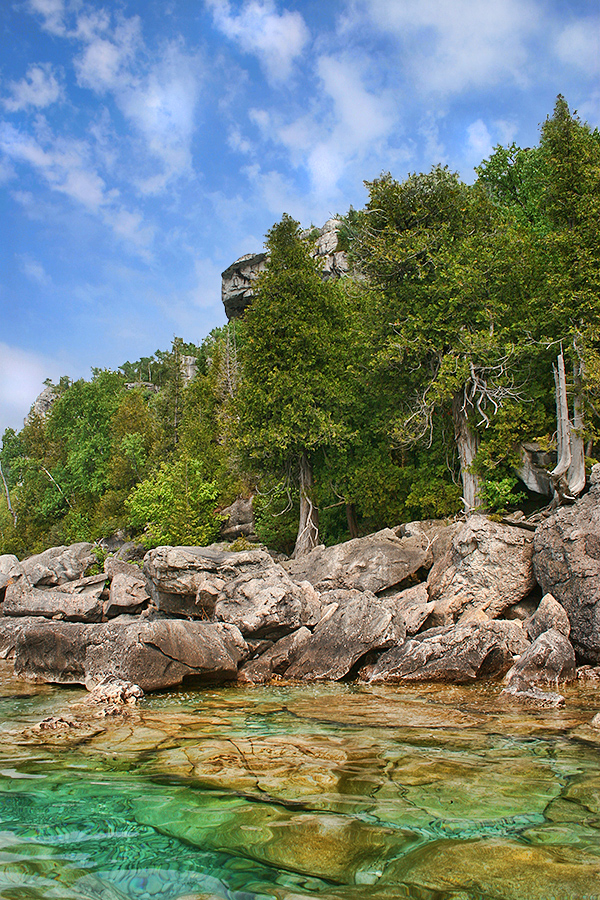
<point x="53" y="12"/>
<point x="579" y="44"/>
<point x="479" y="140"/>
<point x="449" y="46"/>
<point x="22" y="376"/>
<point x="105" y="60"/>
<point x="39" y="88"/>
<point x="34" y="270"/>
<point x="275" y="39"/>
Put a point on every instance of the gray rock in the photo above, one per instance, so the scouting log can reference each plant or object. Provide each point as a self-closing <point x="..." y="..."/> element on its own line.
<point x="115" y="566"/>
<point x="487" y="569"/>
<point x="549" y="660"/>
<point x="127" y="594"/>
<point x="75" y="601"/>
<point x="10" y="565"/>
<point x="58" y="564"/>
<point x="10" y="630"/>
<point x="267" y="604"/>
<point x="549" y="614"/>
<point x="355" y="623"/>
<point x="456" y="653"/>
<point x="373" y="563"/>
<point x="153" y="655"/>
<point x="238" y="520"/>
<point x="567" y="565"/>
<point x="277" y="659"/>
<point x="533" y="468"/>
<point x="113" y="690"/>
<point x="237" y="283"/>
<point x="414" y="606"/>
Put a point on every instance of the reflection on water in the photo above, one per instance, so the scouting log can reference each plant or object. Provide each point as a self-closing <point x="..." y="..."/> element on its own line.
<point x="337" y="792"/>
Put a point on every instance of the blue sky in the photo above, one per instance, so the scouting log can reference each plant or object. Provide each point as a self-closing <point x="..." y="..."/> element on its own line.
<point x="144" y="146"/>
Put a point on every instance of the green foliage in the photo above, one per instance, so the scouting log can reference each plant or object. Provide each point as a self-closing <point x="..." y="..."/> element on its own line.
<point x="175" y="505"/>
<point x="497" y="495"/>
<point x="276" y="516"/>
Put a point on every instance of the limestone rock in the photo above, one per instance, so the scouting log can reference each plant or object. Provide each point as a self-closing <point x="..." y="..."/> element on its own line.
<point x="487" y="567"/>
<point x="238" y="520"/>
<point x="153" y="655"/>
<point x="549" y="614"/>
<point x="373" y="563"/>
<point x="355" y="623"/>
<point x="128" y="593"/>
<point x="456" y="653"/>
<point x="58" y="564"/>
<point x="267" y="604"/>
<point x="237" y="282"/>
<point x="533" y="468"/>
<point x="549" y="660"/>
<point x="567" y="564"/>
<point x="114" y="690"/>
<point x="75" y="601"/>
<point x="414" y="606"/>
<point x="277" y="659"/>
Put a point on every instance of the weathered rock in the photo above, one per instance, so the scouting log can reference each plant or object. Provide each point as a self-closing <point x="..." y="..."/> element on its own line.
<point x="267" y="605"/>
<point x="10" y="629"/>
<point x="456" y="653"/>
<point x="58" y="564"/>
<point x="113" y="690"/>
<point x="186" y="581"/>
<point x="414" y="606"/>
<point x="115" y="566"/>
<point x="238" y="520"/>
<point x="549" y="614"/>
<point x="549" y="660"/>
<point x="277" y="659"/>
<point x="488" y="567"/>
<point x="75" y="601"/>
<point x="10" y="565"/>
<point x="153" y="655"/>
<point x="128" y="593"/>
<point x="533" y="468"/>
<point x="373" y="563"/>
<point x="355" y="624"/>
<point x="237" y="282"/>
<point x="567" y="565"/>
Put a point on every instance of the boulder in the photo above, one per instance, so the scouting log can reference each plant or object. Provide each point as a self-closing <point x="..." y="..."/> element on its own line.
<point x="238" y="520"/>
<point x="277" y="659"/>
<point x="75" y="601"/>
<point x="456" y="653"/>
<point x="566" y="562"/>
<point x="59" y="564"/>
<point x="10" y="565"/>
<point x="115" y="691"/>
<point x="267" y="604"/>
<point x="355" y="623"/>
<point x="549" y="614"/>
<point x="487" y="568"/>
<point x="154" y="655"/>
<point x="187" y="581"/>
<point x="549" y="660"/>
<point x="10" y="629"/>
<point x="414" y="606"/>
<point x="128" y="594"/>
<point x="374" y="563"/>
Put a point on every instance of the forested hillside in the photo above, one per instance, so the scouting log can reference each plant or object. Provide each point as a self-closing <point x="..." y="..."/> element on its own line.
<point x="403" y="391"/>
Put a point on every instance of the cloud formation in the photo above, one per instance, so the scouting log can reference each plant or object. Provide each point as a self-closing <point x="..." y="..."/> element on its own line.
<point x="38" y="89"/>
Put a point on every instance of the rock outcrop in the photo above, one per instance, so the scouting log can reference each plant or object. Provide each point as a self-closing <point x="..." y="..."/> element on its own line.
<point x="566" y="562"/>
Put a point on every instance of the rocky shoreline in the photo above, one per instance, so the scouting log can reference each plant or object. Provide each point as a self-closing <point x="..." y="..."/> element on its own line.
<point x="427" y="601"/>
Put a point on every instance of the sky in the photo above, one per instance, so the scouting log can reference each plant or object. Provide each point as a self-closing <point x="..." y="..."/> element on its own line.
<point x="144" y="146"/>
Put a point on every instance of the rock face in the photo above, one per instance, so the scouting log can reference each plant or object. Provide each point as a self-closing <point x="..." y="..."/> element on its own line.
<point x="456" y="653"/>
<point x="267" y="604"/>
<point x="58" y="565"/>
<point x="373" y="563"/>
<point x="487" y="568"/>
<point x="153" y="655"/>
<point x="76" y="601"/>
<point x="354" y="624"/>
<point x="277" y="659"/>
<point x="567" y="564"/>
<point x="238" y="520"/>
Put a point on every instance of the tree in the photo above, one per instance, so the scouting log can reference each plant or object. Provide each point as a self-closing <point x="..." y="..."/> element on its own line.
<point x="291" y="398"/>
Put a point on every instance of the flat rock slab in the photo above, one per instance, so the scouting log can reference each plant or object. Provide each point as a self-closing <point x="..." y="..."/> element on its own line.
<point x="456" y="653"/>
<point x="355" y="623"/>
<point x="487" y="568"/>
<point x="75" y="601"/>
<point x="152" y="654"/>
<point x="566" y="561"/>
<point x="373" y="563"/>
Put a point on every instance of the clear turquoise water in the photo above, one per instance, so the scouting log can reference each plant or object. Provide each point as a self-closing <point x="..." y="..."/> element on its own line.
<point x="288" y="792"/>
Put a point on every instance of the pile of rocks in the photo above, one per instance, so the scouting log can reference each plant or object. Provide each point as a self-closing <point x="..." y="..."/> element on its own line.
<point x="426" y="601"/>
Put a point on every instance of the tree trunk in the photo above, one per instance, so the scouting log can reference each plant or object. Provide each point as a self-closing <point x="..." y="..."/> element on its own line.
<point x="308" y="528"/>
<point x="576" y="471"/>
<point x="8" y="503"/>
<point x="351" y="519"/>
<point x="467" y="442"/>
<point x="568" y="476"/>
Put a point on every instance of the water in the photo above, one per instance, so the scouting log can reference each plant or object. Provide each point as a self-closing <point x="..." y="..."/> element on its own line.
<point x="337" y="792"/>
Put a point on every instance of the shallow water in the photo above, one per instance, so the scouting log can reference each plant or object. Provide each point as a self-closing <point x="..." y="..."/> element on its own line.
<point x="338" y="792"/>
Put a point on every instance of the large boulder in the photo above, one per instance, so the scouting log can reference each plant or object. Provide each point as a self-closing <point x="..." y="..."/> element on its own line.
<point x="59" y="564"/>
<point x="549" y="660"/>
<point x="354" y="624"/>
<point x="75" y="601"/>
<point x="373" y="563"/>
<point x="128" y="594"/>
<point x="267" y="604"/>
<point x="152" y="654"/>
<point x="187" y="581"/>
<point x="487" y="568"/>
<point x="566" y="561"/>
<point x="277" y="659"/>
<point x="414" y="605"/>
<point x="549" y="614"/>
<point x="238" y="520"/>
<point x="456" y="653"/>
